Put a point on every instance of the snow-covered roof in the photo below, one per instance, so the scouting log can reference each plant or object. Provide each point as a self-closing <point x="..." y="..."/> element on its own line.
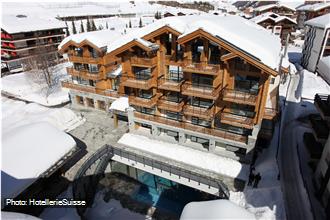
<point x="18" y="24"/>
<point x="270" y="15"/>
<point x="321" y="21"/>
<point x="27" y="152"/>
<point x="314" y="7"/>
<point x="186" y="155"/>
<point x="267" y="49"/>
<point x="278" y="5"/>
<point x="98" y="38"/>
<point x="120" y="104"/>
<point x="215" y="209"/>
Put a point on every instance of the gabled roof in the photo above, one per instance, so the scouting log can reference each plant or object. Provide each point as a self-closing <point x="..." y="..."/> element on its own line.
<point x="321" y="21"/>
<point x="266" y="50"/>
<point x="278" y="5"/>
<point x="314" y="7"/>
<point x="273" y="16"/>
<point x="95" y="39"/>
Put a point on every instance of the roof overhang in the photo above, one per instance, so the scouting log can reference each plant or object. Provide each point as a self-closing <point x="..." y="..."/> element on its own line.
<point x="165" y="29"/>
<point x="129" y="45"/>
<point x="81" y="44"/>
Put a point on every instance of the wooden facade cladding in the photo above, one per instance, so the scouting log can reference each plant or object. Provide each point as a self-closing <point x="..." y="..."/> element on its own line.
<point x="143" y="61"/>
<point x="231" y="95"/>
<point x="133" y="82"/>
<point x="89" y="89"/>
<point x="170" y="106"/>
<point x="168" y="84"/>
<point x="143" y="102"/>
<point x="201" y="91"/>
<point x="205" y="113"/>
<point x="85" y="74"/>
<point x="202" y="68"/>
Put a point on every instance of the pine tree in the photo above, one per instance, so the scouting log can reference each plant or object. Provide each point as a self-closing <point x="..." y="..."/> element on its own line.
<point x="93" y="25"/>
<point x="74" y="30"/>
<point x="82" y="29"/>
<point x="106" y="25"/>
<point x="140" y="23"/>
<point x="130" y="24"/>
<point x="88" y="25"/>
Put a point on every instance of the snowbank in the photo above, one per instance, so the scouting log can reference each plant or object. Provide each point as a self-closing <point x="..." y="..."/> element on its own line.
<point x="18" y="113"/>
<point x="32" y="87"/>
<point x="192" y="157"/>
<point x="216" y="209"/>
<point x="27" y="152"/>
<point x="16" y="215"/>
<point x="120" y="104"/>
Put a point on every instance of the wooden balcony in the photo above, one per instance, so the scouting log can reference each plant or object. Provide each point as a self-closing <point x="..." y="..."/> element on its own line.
<point x="192" y="127"/>
<point x="89" y="89"/>
<point x="236" y="120"/>
<point x="143" y="61"/>
<point x="205" y="113"/>
<point x="143" y="102"/>
<point x="84" y="74"/>
<point x="174" y="60"/>
<point x="79" y="87"/>
<point x="170" y="106"/>
<point x="202" y="68"/>
<point x="134" y="82"/>
<point x="81" y="59"/>
<point x="240" y="97"/>
<point x="270" y="113"/>
<point x="170" y="84"/>
<point x="203" y="91"/>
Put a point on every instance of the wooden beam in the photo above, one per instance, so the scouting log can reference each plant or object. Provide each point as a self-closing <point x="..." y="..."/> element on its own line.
<point x="228" y="56"/>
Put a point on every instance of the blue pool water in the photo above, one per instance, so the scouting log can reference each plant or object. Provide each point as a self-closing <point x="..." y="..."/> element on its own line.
<point x="165" y="194"/>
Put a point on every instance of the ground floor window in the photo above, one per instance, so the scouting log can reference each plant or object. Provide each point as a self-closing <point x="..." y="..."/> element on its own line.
<point x="101" y="105"/>
<point x="80" y="100"/>
<point x="90" y="102"/>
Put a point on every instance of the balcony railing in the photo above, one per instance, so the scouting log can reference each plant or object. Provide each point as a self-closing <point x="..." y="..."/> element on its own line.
<point x="143" y="102"/>
<point x="206" y="113"/>
<point x="84" y="73"/>
<point x="82" y="59"/>
<point x="192" y="127"/>
<point x="34" y="37"/>
<point x="240" y="97"/>
<point x="323" y="103"/>
<point x="202" y="67"/>
<point x="143" y="61"/>
<point x="84" y="88"/>
<point x="170" y="106"/>
<point x="227" y="117"/>
<point x="139" y="83"/>
<point x="170" y="84"/>
<point x="200" y="90"/>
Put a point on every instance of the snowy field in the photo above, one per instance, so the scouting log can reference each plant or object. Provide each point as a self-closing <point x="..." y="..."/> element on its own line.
<point x="31" y="86"/>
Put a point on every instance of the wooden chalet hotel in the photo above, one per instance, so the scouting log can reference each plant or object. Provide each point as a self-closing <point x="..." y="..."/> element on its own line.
<point x="207" y="82"/>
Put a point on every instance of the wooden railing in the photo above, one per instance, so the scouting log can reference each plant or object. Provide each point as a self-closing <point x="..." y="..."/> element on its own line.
<point x="143" y="102"/>
<point x="138" y="83"/>
<point x="241" y="97"/>
<point x="82" y="59"/>
<point x="192" y="127"/>
<point x="143" y="61"/>
<point x="202" y="67"/>
<point x="84" y="73"/>
<point x="170" y="84"/>
<point x="206" y="113"/>
<point x="79" y="87"/>
<point x="236" y="120"/>
<point x="168" y="105"/>
<point x="203" y="91"/>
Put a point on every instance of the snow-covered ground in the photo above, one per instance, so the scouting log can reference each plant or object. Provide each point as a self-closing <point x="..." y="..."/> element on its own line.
<point x="18" y="113"/>
<point x="312" y="84"/>
<point x="31" y="86"/>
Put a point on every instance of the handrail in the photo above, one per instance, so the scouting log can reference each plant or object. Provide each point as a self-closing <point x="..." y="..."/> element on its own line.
<point x="239" y="95"/>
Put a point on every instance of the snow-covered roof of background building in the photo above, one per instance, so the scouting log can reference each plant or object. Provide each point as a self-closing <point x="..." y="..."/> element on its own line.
<point x="270" y="15"/>
<point x="13" y="24"/>
<point x="321" y="21"/>
<point x="27" y="152"/>
<point x="267" y="48"/>
<point x="314" y="7"/>
<point x="215" y="209"/>
<point x="278" y="5"/>
<point x="120" y="104"/>
<point x="99" y="38"/>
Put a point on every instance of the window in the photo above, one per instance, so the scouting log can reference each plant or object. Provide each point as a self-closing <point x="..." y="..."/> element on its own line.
<point x="247" y="84"/>
<point x="243" y="110"/>
<point x="272" y="80"/>
<point x="142" y="73"/>
<point x="146" y="94"/>
<point x="173" y="115"/>
<point x="175" y="73"/>
<point x="199" y="80"/>
<point x="78" y="52"/>
<point x="93" y="68"/>
<point x="173" y="96"/>
<point x="144" y="110"/>
<point x="200" y="102"/>
<point x="200" y="122"/>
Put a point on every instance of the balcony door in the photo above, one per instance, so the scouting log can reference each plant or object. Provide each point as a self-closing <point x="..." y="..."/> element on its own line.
<point x="201" y="80"/>
<point x="200" y="102"/>
<point x="247" y="84"/>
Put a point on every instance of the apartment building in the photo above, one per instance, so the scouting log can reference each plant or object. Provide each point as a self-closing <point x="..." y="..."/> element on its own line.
<point x="194" y="78"/>
<point x="277" y="24"/>
<point x="94" y="76"/>
<point x="23" y="37"/>
<point x="317" y="42"/>
<point x="278" y="8"/>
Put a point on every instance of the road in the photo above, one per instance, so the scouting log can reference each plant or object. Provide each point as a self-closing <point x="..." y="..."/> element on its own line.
<point x="296" y="199"/>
